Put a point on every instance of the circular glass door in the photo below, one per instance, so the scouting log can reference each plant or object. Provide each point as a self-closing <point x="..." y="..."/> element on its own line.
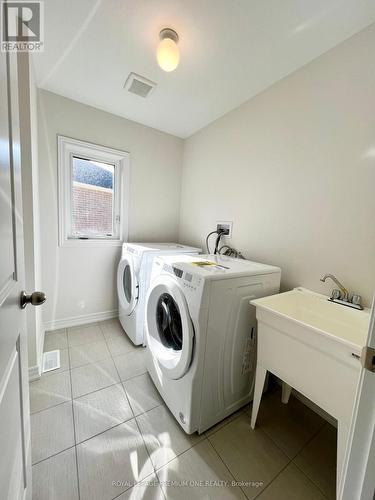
<point x="127" y="285"/>
<point x="168" y="322"/>
<point x="169" y="329"/>
<point x="127" y="282"/>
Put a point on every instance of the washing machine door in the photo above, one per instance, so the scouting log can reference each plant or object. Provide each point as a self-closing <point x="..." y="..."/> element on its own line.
<point x="170" y="332"/>
<point x="127" y="284"/>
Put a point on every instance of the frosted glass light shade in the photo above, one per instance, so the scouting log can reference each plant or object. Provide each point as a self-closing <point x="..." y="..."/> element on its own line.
<point x="168" y="55"/>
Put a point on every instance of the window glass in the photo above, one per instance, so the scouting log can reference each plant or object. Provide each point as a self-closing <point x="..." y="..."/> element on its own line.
<point x="92" y="198"/>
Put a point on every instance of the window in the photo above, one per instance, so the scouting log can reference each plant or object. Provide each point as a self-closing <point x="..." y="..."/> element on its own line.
<point x="92" y="198"/>
<point x="92" y="193"/>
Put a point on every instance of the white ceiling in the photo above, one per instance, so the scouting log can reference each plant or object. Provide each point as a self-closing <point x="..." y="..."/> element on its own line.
<point x="230" y="51"/>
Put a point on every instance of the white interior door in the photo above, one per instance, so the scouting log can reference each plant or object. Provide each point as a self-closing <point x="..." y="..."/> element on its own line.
<point x="359" y="464"/>
<point x="14" y="406"/>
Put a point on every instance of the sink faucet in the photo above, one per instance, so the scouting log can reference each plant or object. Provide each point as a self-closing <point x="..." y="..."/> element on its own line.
<point x="344" y="291"/>
<point x="343" y="297"/>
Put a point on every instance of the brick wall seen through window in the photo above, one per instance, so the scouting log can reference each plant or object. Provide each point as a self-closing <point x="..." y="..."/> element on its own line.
<point x="92" y="198"/>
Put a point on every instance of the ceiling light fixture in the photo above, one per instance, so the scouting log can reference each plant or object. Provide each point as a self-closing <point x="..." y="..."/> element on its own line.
<point x="168" y="55"/>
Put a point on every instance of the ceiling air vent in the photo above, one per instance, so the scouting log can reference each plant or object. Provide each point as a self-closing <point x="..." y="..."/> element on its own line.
<point x="139" y="85"/>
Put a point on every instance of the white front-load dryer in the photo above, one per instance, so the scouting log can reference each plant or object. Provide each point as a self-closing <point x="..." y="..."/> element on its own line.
<point x="133" y="278"/>
<point x="201" y="334"/>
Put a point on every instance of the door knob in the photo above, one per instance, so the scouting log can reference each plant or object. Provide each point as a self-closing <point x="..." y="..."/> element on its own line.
<point x="36" y="298"/>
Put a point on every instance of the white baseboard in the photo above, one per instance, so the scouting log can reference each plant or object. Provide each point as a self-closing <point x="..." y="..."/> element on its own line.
<point x="79" y="320"/>
<point x="34" y="373"/>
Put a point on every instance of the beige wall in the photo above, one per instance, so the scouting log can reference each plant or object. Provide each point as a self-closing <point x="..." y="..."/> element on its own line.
<point x="81" y="281"/>
<point x="294" y="169"/>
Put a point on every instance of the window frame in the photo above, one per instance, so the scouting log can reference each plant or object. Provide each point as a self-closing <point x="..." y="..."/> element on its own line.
<point x="69" y="148"/>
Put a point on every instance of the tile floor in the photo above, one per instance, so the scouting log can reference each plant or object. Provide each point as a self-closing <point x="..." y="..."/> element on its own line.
<point x="100" y="431"/>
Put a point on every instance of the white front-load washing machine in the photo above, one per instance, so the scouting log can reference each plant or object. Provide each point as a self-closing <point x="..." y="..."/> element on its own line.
<point x="201" y="334"/>
<point x="133" y="278"/>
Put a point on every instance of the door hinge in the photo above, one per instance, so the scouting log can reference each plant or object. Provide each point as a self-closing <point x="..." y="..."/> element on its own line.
<point x="368" y="358"/>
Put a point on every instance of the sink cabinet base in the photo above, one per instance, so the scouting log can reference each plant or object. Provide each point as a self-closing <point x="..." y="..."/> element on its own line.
<point x="324" y="373"/>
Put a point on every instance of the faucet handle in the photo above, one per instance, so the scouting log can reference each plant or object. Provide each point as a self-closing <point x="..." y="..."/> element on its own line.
<point x="356" y="299"/>
<point x="336" y="294"/>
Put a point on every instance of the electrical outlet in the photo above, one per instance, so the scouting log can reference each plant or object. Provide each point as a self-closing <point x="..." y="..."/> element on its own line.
<point x="227" y="226"/>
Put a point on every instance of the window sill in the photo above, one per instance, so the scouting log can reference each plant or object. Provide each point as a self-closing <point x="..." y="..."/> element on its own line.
<point x="90" y="243"/>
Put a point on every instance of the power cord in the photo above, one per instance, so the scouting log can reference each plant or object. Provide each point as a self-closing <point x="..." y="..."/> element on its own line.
<point x="207" y="238"/>
<point x="225" y="249"/>
<point x="219" y="233"/>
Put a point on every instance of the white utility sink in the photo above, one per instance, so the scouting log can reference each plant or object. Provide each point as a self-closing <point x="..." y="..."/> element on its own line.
<point x="314" y="310"/>
<point x="312" y="345"/>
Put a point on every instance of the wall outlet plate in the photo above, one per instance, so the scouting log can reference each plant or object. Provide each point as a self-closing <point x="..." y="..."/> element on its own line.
<point x="227" y="225"/>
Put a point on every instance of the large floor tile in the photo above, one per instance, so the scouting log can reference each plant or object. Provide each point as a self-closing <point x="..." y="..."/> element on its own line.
<point x="56" y="477"/>
<point x="99" y="411"/>
<point x="120" y="344"/>
<point x="198" y="474"/>
<point x="64" y="363"/>
<point x="94" y="377"/>
<point x="142" y="394"/>
<point x="57" y="339"/>
<point x="249" y="454"/>
<point x="226" y="421"/>
<point x="318" y="460"/>
<point x="84" y="335"/>
<point x="111" y="328"/>
<point x="114" y="449"/>
<point x="164" y="437"/>
<point x="147" y="489"/>
<point x="85" y="354"/>
<point x="110" y="463"/>
<point x="131" y="364"/>
<point x="291" y="484"/>
<point x="51" y="431"/>
<point x="290" y="425"/>
<point x="49" y="391"/>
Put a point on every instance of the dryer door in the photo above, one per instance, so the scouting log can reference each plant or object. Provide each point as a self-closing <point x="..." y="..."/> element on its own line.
<point x="127" y="284"/>
<point x="170" y="332"/>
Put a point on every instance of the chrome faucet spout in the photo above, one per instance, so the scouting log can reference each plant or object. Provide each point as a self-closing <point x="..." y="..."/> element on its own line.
<point x="344" y="291"/>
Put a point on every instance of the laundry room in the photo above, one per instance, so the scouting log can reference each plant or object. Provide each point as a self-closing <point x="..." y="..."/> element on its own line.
<point x="187" y="241"/>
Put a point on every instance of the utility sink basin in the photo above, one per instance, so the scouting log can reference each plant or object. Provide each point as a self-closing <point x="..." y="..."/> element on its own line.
<point x="313" y="345"/>
<point x="314" y="310"/>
